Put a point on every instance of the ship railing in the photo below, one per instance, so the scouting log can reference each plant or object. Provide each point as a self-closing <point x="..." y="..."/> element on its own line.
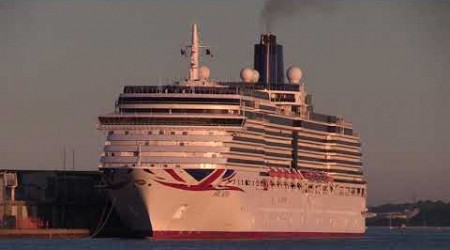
<point x="225" y="90"/>
<point x="180" y="90"/>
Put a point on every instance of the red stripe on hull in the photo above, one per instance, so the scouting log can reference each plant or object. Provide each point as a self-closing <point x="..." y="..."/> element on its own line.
<point x="248" y="235"/>
<point x="174" y="175"/>
<point x="211" y="178"/>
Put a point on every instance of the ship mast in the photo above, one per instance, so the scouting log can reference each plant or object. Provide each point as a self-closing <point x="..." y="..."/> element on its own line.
<point x="193" y="69"/>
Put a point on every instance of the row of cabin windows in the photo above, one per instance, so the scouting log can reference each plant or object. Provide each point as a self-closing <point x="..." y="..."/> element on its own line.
<point x="180" y="111"/>
<point x="135" y="153"/>
<point x="282" y="97"/>
<point x="160" y="132"/>
<point x="310" y="188"/>
<point x="158" y="165"/>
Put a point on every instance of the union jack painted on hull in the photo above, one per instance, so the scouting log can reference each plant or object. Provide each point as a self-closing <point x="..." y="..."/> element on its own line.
<point x="197" y="179"/>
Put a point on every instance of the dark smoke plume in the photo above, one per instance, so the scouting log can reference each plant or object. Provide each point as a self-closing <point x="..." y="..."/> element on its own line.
<point x="273" y="10"/>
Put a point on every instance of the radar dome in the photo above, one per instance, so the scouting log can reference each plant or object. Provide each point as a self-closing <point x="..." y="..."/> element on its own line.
<point x="247" y="74"/>
<point x="255" y="77"/>
<point x="294" y="74"/>
<point x="203" y="72"/>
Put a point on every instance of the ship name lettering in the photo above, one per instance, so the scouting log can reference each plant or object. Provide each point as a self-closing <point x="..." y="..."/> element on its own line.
<point x="221" y="193"/>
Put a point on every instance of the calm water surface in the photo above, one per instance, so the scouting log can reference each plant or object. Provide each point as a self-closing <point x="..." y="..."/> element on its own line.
<point x="376" y="238"/>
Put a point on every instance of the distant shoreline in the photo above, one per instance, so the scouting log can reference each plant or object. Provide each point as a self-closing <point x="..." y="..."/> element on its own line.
<point x="421" y="214"/>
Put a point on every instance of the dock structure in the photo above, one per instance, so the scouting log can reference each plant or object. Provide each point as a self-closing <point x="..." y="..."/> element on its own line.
<point x="49" y="203"/>
<point x="44" y="233"/>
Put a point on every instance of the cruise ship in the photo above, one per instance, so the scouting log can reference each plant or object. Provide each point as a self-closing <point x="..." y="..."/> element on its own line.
<point x="207" y="159"/>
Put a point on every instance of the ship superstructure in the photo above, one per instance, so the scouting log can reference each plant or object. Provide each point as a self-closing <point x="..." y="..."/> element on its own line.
<point x="249" y="159"/>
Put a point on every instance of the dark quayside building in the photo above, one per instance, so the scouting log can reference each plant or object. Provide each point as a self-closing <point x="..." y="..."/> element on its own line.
<point x="42" y="200"/>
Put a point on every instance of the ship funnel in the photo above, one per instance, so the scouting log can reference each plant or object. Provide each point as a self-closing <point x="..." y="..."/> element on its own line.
<point x="268" y="60"/>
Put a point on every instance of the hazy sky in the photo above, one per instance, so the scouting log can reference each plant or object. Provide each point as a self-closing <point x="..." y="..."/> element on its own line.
<point x="383" y="65"/>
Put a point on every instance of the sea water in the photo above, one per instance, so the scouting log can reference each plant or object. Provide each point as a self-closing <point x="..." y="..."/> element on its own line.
<point x="375" y="238"/>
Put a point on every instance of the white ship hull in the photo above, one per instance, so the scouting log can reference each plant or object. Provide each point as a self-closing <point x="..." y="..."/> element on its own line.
<point x="161" y="211"/>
